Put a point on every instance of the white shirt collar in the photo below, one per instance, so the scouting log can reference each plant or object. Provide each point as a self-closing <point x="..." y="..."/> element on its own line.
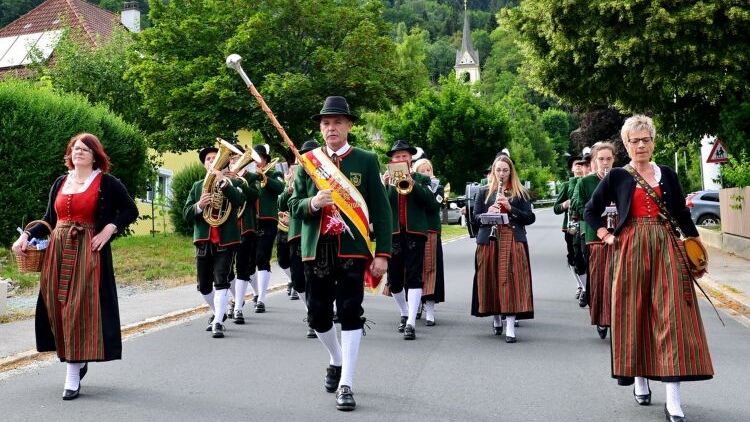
<point x="340" y="152"/>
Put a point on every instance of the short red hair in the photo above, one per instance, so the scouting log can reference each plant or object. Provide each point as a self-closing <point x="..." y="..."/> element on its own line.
<point x="101" y="161"/>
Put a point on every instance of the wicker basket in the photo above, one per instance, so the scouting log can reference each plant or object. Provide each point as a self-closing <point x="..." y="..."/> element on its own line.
<point x="34" y="259"/>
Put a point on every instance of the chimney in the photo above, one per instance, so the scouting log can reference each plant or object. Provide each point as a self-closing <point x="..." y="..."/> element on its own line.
<point x="130" y="17"/>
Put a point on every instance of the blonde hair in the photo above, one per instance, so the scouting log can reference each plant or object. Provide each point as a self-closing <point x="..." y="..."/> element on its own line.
<point x="636" y="123"/>
<point x="516" y="188"/>
<point x="419" y="163"/>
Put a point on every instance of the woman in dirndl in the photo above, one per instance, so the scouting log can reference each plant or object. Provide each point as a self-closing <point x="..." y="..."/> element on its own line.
<point x="77" y="313"/>
<point x="433" y="290"/>
<point x="599" y="256"/>
<point x="657" y="330"/>
<point x="502" y="275"/>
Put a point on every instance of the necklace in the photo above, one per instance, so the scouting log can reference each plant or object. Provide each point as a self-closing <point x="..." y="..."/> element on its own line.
<point x="76" y="180"/>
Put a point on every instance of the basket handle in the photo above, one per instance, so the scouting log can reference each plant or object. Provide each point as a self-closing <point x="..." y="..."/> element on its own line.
<point x="38" y="221"/>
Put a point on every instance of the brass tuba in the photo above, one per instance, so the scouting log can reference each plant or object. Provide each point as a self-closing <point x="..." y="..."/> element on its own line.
<point x="262" y="172"/>
<point x="217" y="211"/>
<point x="400" y="177"/>
<point x="246" y="158"/>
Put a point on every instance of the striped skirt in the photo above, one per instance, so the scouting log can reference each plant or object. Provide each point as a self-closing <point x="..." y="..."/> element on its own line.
<point x="601" y="267"/>
<point x="657" y="331"/>
<point x="432" y="275"/>
<point x="502" y="278"/>
<point x="69" y="287"/>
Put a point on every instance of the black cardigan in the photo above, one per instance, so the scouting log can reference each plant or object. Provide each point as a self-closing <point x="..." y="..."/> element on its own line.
<point x="521" y="215"/>
<point x="115" y="206"/>
<point x="619" y="185"/>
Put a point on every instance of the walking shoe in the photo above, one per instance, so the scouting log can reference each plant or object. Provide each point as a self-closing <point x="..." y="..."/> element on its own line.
<point x="429" y="322"/>
<point x="230" y="309"/>
<point x="260" y="308"/>
<point x="311" y="333"/>
<point x="498" y="330"/>
<point x="333" y="376"/>
<point x="578" y="293"/>
<point x="602" y="331"/>
<point x="409" y="332"/>
<point x="402" y="325"/>
<point x="255" y="299"/>
<point x="345" y="398"/>
<point x="583" y="301"/>
<point x="509" y="339"/>
<point x="238" y="317"/>
<point x="218" y="330"/>
<point x="211" y="320"/>
<point x="294" y="295"/>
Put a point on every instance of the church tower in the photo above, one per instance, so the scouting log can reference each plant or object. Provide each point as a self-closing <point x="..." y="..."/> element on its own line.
<point x="467" y="59"/>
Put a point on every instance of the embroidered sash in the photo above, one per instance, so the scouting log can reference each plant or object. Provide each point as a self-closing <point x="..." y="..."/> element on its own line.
<point x="347" y="198"/>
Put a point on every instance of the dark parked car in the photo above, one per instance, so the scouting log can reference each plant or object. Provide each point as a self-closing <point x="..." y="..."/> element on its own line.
<point x="704" y="207"/>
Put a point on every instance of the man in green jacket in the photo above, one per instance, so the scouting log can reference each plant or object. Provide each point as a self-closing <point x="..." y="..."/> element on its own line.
<point x="215" y="243"/>
<point x="335" y="261"/>
<point x="409" y="208"/>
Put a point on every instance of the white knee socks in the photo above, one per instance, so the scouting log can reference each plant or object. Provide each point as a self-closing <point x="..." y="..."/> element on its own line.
<point x="497" y="321"/>
<point x="510" y="326"/>
<point x="254" y="284"/>
<point x="263" y="279"/>
<point x="582" y="281"/>
<point x="400" y="298"/>
<point x="302" y="298"/>
<point x="221" y="297"/>
<point x="209" y="298"/>
<point x="415" y="302"/>
<point x="350" y="347"/>
<point x="641" y="386"/>
<point x="239" y="295"/>
<point x="429" y="310"/>
<point x="231" y="287"/>
<point x="73" y="376"/>
<point x="331" y="342"/>
<point x="288" y="273"/>
<point x="673" y="398"/>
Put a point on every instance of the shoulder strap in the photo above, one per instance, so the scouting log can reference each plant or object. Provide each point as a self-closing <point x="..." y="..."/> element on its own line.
<point x="651" y="193"/>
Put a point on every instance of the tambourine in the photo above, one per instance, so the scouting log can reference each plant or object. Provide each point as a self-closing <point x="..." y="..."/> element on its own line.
<point x="697" y="255"/>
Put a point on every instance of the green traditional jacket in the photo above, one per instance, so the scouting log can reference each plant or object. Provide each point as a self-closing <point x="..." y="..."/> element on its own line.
<point x="229" y="231"/>
<point x="434" y="217"/>
<point x="362" y="168"/>
<point x="249" y="186"/>
<point x="419" y="202"/>
<point x="583" y="191"/>
<point x="295" y="224"/>
<point x="268" y="202"/>
<point x="563" y="196"/>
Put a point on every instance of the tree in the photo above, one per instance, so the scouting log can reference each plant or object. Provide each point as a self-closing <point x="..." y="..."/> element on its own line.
<point x="679" y="60"/>
<point x="33" y="139"/>
<point x="559" y="124"/>
<point x="11" y="10"/>
<point x="458" y="131"/>
<point x="296" y="53"/>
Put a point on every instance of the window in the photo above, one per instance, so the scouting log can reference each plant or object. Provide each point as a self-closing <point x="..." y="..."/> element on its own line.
<point x="161" y="188"/>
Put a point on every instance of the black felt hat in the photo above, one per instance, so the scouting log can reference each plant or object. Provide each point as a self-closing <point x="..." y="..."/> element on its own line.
<point x="202" y="154"/>
<point x="309" y="146"/>
<point x="335" y="106"/>
<point x="401" y="146"/>
<point x="263" y="152"/>
<point x="573" y="158"/>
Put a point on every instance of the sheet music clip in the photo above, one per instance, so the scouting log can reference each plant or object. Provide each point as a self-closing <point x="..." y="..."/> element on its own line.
<point x="490" y="218"/>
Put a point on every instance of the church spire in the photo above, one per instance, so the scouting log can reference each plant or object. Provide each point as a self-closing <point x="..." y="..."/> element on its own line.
<point x="467" y="58"/>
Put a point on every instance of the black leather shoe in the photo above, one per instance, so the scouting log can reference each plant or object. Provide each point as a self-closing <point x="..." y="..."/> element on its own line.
<point x="498" y="330"/>
<point x="310" y="333"/>
<point x="409" y="332"/>
<point x="583" y="300"/>
<point x="345" y="398"/>
<point x="73" y="394"/>
<point x="509" y="339"/>
<point x="429" y="322"/>
<point x="402" y="325"/>
<point x="82" y="373"/>
<point x="333" y="376"/>
<point x="239" y="317"/>
<point x="602" y="331"/>
<point x="670" y="417"/>
<point x="643" y="399"/>
<point x="218" y="330"/>
<point x="260" y="307"/>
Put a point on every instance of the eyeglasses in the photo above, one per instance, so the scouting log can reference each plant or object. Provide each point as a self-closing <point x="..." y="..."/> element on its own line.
<point x="81" y="149"/>
<point x="636" y="141"/>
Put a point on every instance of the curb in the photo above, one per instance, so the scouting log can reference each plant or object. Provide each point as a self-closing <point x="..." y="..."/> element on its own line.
<point x="128" y="331"/>
<point x="735" y="305"/>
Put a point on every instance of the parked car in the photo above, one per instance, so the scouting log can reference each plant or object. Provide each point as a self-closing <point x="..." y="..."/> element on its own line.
<point x="454" y="209"/>
<point x="704" y="207"/>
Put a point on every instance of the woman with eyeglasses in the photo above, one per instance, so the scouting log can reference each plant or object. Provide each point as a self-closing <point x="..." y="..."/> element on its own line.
<point x="502" y="275"/>
<point x="77" y="313"/>
<point x="657" y="332"/>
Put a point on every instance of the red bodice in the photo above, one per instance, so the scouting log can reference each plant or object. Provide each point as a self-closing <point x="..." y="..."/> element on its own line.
<point x="643" y="205"/>
<point x="80" y="207"/>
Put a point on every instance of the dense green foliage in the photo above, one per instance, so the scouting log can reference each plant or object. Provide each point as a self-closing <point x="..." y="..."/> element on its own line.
<point x="35" y="127"/>
<point x="182" y="182"/>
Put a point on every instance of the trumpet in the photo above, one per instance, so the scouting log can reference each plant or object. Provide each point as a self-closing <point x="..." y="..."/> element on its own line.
<point x="282" y="226"/>
<point x="400" y="177"/>
<point x="262" y="172"/>
<point x="217" y="211"/>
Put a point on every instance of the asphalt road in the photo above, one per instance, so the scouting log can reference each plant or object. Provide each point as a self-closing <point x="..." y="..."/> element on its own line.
<point x="457" y="370"/>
